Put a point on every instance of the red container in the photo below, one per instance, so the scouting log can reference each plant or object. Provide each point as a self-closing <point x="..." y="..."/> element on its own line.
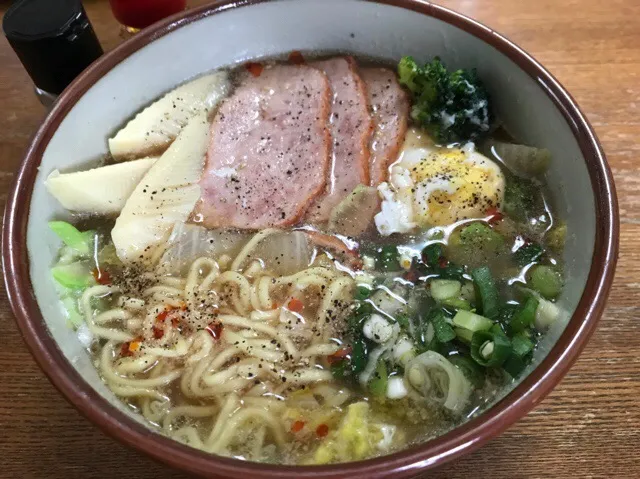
<point x="142" y="13"/>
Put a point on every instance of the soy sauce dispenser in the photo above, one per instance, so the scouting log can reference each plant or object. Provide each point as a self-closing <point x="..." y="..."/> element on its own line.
<point x="54" y="41"/>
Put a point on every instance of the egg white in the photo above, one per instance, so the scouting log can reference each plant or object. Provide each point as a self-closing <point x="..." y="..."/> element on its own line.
<point x="437" y="186"/>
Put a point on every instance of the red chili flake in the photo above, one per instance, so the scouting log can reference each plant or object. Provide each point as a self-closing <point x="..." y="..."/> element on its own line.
<point x="296" y="58"/>
<point x="411" y="275"/>
<point x="494" y="215"/>
<point x="101" y="276"/>
<point x="322" y="430"/>
<point x="130" y="347"/>
<point x="254" y="68"/>
<point x="158" y="333"/>
<point x="297" y="426"/>
<point x="124" y="350"/>
<point x="339" y="355"/>
<point x="175" y="317"/>
<point x="295" y="305"/>
<point x="215" y="329"/>
<point x="443" y="262"/>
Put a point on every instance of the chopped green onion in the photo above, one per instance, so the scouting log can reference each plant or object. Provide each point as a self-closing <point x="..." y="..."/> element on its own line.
<point x="557" y="237"/>
<point x="451" y="271"/>
<point x="471" y="370"/>
<point x="546" y="281"/>
<point x="457" y="303"/>
<point x="525" y="316"/>
<point x="471" y="321"/>
<point x="490" y="348"/>
<point x="339" y="369"/>
<point x="528" y="254"/>
<point x="468" y="291"/>
<point x="431" y="254"/>
<point x="378" y="382"/>
<point x="514" y="365"/>
<point x="73" y="276"/>
<point x="519" y="198"/>
<point x="546" y="314"/>
<point x="464" y="335"/>
<point x="387" y="259"/>
<point x="72" y="237"/>
<point x="358" y="356"/>
<point x="362" y="293"/>
<point x="521" y="345"/>
<point x="362" y="311"/>
<point x="402" y="320"/>
<point x="442" y="289"/>
<point x="486" y="291"/>
<point x="443" y="330"/>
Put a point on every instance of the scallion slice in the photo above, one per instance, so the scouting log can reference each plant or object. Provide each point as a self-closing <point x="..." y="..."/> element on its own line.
<point x="471" y="321"/>
<point x="490" y="348"/>
<point x="486" y="291"/>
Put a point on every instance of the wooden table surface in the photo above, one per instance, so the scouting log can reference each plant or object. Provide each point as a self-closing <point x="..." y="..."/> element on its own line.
<point x="588" y="427"/>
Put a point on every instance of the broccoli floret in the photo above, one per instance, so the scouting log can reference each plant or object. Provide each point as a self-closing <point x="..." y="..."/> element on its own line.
<point x="452" y="107"/>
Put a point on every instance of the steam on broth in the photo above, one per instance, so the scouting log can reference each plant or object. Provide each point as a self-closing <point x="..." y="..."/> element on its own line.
<point x="311" y="261"/>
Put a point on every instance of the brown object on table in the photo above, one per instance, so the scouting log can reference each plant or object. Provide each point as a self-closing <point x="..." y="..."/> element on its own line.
<point x="589" y="426"/>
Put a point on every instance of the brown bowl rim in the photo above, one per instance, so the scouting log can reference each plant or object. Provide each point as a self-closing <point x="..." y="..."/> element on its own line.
<point x="408" y="462"/>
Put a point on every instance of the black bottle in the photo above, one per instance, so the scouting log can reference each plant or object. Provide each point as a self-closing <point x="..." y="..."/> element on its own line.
<point x="54" y="41"/>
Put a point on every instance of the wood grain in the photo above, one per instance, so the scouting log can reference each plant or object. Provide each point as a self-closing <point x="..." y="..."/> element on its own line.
<point x="588" y="427"/>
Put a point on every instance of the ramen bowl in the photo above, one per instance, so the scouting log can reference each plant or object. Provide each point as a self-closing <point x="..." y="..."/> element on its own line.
<point x="527" y="98"/>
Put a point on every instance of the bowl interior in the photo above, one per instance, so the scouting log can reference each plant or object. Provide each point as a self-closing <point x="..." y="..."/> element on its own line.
<point x="266" y="29"/>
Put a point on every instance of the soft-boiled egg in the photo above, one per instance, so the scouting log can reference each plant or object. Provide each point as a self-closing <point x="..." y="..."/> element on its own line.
<point x="431" y="185"/>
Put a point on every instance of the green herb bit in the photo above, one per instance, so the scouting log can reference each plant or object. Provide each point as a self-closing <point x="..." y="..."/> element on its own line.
<point x="387" y="259"/>
<point x="362" y="293"/>
<point x="432" y="253"/>
<point x="527" y="254"/>
<point x="358" y="356"/>
<point x="379" y="380"/>
<point x="339" y="370"/>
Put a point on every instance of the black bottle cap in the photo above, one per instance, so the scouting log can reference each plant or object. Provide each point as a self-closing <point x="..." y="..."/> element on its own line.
<point x="53" y="39"/>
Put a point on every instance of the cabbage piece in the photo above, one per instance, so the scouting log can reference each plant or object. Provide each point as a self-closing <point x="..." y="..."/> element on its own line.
<point x="79" y="241"/>
<point x="283" y="252"/>
<point x="524" y="161"/>
<point x="439" y="381"/>
<point x="189" y="242"/>
<point x="73" y="276"/>
<point x="356" y="438"/>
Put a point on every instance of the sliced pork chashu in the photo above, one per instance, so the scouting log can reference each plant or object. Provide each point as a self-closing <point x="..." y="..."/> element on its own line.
<point x="351" y="128"/>
<point x="389" y="106"/>
<point x="269" y="150"/>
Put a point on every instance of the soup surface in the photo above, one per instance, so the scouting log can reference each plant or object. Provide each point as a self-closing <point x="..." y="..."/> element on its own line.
<point x="311" y="261"/>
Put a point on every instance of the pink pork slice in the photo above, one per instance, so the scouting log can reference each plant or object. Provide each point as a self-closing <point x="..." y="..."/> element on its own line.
<point x="269" y="150"/>
<point x="351" y="128"/>
<point x="389" y="105"/>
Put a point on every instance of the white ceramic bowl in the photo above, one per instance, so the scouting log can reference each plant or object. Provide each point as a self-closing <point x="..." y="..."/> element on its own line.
<point x="526" y="97"/>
